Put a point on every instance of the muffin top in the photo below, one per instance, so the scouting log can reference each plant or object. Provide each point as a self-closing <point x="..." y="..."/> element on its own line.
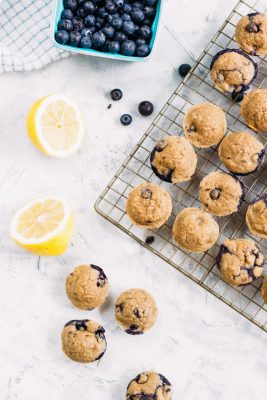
<point x="256" y="217"/>
<point x="232" y="70"/>
<point x="254" y="109"/>
<point x="241" y="153"/>
<point x="204" y="125"/>
<point x="251" y="34"/>
<point x="148" y="386"/>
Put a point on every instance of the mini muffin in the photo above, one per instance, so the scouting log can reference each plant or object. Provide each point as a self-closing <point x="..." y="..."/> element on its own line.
<point x="204" y="125"/>
<point x="254" y="110"/>
<point x="221" y="193"/>
<point x="264" y="290"/>
<point x="83" y="340"/>
<point x="240" y="261"/>
<point x="241" y="153"/>
<point x="232" y="70"/>
<point x="173" y="159"/>
<point x="135" y="311"/>
<point x="256" y="217"/>
<point x="87" y="287"/>
<point x="195" y="230"/>
<point x="149" y="386"/>
<point x="148" y="206"/>
<point x="251" y="34"/>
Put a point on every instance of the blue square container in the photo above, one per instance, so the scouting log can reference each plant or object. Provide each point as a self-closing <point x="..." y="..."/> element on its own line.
<point x="58" y="7"/>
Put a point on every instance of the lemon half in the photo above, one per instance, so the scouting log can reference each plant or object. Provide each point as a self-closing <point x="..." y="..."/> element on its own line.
<point x="55" y="126"/>
<point x="44" y="226"/>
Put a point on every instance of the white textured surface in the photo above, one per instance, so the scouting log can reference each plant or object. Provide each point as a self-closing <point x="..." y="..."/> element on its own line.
<point x="205" y="349"/>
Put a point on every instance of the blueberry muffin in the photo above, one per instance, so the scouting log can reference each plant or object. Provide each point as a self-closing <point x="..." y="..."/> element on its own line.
<point x="251" y="34"/>
<point x="232" y="70"/>
<point x="254" y="110"/>
<point x="195" y="230"/>
<point x="241" y="153"/>
<point x="173" y="159"/>
<point x="87" y="287"/>
<point x="149" y="386"/>
<point x="83" y="340"/>
<point x="221" y="193"/>
<point x="256" y="217"/>
<point x="264" y="290"/>
<point x="148" y="206"/>
<point x="240" y="261"/>
<point x="135" y="311"/>
<point x="204" y="125"/>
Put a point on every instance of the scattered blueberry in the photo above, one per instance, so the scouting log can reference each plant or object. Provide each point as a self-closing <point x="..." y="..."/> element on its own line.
<point x="126" y="119"/>
<point x="150" y="239"/>
<point x="90" y="20"/>
<point x="137" y="16"/>
<point x="143" y="50"/>
<point x="149" y="11"/>
<point x="146" y="108"/>
<point x="184" y="69"/>
<point x="66" y="14"/>
<point x="77" y="23"/>
<point x="237" y="97"/>
<point x="75" y="38"/>
<point x="137" y="5"/>
<point x="98" y="39"/>
<point x="120" y="37"/>
<point x="127" y="8"/>
<point x="89" y="7"/>
<point x="109" y="106"/>
<point x="116" y="23"/>
<point x="128" y="48"/>
<point x="128" y="27"/>
<point x="145" y="32"/>
<point x="114" y="47"/>
<point x="108" y="31"/>
<point x="71" y="4"/>
<point x="65" y="24"/>
<point x="86" y="42"/>
<point x="116" y="94"/>
<point x="62" y="37"/>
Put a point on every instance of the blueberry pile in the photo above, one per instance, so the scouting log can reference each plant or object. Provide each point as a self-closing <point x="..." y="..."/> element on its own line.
<point x="114" y="26"/>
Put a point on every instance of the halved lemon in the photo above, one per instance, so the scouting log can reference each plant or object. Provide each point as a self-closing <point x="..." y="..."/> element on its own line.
<point x="55" y="126"/>
<point x="44" y="226"/>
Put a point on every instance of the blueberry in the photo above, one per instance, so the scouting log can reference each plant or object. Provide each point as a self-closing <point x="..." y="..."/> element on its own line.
<point x="126" y="17"/>
<point x="116" y="94"/>
<point x="90" y="20"/>
<point x="128" y="48"/>
<point x="137" y="5"/>
<point x="89" y="7"/>
<point x="119" y="3"/>
<point x="105" y="48"/>
<point x="136" y="34"/>
<point x="98" y="39"/>
<point x="86" y="42"/>
<point x="102" y="12"/>
<point x="65" y="24"/>
<point x="119" y="37"/>
<point x="150" y="240"/>
<point x="128" y="27"/>
<point x="87" y="32"/>
<point x="77" y="23"/>
<point x="145" y="32"/>
<point x="116" y="23"/>
<point x="146" y="108"/>
<point x="237" y="97"/>
<point x="75" y="38"/>
<point x="126" y="119"/>
<point x="66" y="14"/>
<point x="137" y="16"/>
<point x="151" y="2"/>
<point x="184" y="69"/>
<point x="62" y="37"/>
<point x="140" y="42"/>
<point x="81" y="2"/>
<point x="81" y="12"/>
<point x="127" y="8"/>
<point x="110" y="6"/>
<point x="148" y="22"/>
<point x="100" y="22"/>
<point x="149" y="11"/>
<point x="114" y="47"/>
<point x="108" y="31"/>
<point x="142" y="51"/>
<point x="71" y="4"/>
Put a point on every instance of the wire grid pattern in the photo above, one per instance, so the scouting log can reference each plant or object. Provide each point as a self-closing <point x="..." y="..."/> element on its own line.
<point x="25" y="35"/>
<point x="200" y="267"/>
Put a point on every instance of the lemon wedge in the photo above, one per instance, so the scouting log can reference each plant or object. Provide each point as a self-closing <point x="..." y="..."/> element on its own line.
<point x="44" y="226"/>
<point x="55" y="126"/>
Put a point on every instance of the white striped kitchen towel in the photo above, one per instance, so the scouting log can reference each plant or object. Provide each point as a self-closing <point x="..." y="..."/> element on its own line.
<point x="25" y="35"/>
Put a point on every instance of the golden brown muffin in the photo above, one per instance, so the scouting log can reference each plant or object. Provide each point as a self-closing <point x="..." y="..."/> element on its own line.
<point x="149" y="386"/>
<point x="254" y="110"/>
<point x="251" y="34"/>
<point x="256" y="217"/>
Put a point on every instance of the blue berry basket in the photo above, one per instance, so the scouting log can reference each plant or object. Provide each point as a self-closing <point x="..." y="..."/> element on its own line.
<point x="58" y="8"/>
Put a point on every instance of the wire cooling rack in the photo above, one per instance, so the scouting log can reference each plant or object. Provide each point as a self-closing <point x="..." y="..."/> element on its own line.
<point x="197" y="87"/>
